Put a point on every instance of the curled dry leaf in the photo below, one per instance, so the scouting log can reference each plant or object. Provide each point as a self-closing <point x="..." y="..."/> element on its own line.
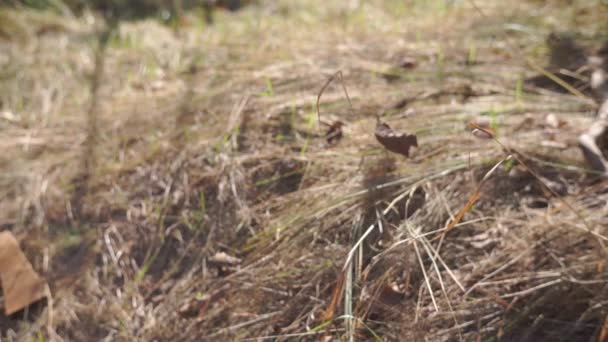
<point x="395" y="142"/>
<point x="21" y="285"/>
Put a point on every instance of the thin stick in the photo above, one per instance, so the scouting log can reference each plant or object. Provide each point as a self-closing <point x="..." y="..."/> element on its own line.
<point x="339" y="75"/>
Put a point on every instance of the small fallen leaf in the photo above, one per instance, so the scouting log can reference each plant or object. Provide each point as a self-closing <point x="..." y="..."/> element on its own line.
<point x="334" y="133"/>
<point x="395" y="142"/>
<point x="21" y="285"/>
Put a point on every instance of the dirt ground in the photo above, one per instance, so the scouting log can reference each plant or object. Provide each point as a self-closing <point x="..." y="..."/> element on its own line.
<point x="174" y="182"/>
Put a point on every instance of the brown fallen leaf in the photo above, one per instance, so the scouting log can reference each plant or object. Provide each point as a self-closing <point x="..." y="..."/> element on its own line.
<point x="395" y="142"/>
<point x="334" y="133"/>
<point x="21" y="285"/>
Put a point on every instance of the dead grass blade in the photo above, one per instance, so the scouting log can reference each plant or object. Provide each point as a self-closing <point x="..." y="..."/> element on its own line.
<point x="235" y="327"/>
<point x="329" y="313"/>
<point x="435" y="256"/>
<point x="426" y="278"/>
<point x="467" y="207"/>
<point x="472" y="200"/>
<point x="338" y="75"/>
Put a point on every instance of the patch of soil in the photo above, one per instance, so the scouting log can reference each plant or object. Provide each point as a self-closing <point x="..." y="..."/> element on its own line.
<point x="27" y="316"/>
<point x="278" y="177"/>
<point x="70" y="262"/>
<point x="551" y="316"/>
<point x="88" y="329"/>
<point x="516" y="186"/>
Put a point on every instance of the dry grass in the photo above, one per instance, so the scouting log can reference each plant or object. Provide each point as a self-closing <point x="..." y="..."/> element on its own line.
<point x="207" y="142"/>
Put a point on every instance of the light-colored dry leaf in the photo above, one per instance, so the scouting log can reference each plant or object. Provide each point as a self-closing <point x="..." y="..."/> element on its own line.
<point x="21" y="285"/>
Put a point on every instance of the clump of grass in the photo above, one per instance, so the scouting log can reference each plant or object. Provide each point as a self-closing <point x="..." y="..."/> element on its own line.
<point x="202" y="218"/>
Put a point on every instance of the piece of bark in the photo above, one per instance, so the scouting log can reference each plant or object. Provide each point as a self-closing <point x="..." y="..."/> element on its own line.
<point x="21" y="285"/>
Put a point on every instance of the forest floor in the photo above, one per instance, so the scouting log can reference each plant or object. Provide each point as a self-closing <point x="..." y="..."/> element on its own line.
<point x="177" y="185"/>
